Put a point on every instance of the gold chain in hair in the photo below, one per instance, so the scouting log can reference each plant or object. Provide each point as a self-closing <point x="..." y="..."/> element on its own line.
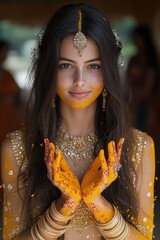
<point x="80" y="39"/>
<point x="80" y="21"/>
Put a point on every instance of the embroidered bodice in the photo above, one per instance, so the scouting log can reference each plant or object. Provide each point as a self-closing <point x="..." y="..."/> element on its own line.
<point x="82" y="223"/>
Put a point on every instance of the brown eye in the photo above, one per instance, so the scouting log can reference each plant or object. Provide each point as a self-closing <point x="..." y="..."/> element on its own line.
<point x="65" y="66"/>
<point x="94" y="66"/>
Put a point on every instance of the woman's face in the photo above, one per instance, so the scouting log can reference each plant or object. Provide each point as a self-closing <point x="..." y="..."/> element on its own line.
<point x="80" y="79"/>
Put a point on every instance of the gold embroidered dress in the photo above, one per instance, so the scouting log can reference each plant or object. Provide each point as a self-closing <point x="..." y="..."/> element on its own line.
<point x="82" y="225"/>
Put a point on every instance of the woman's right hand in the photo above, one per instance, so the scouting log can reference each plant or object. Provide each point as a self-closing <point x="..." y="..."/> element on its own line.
<point x="63" y="178"/>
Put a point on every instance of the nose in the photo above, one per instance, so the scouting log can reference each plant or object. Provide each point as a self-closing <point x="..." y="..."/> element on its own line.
<point x="79" y="78"/>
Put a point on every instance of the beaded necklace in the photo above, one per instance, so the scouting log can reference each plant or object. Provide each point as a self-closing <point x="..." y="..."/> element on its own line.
<point x="76" y="148"/>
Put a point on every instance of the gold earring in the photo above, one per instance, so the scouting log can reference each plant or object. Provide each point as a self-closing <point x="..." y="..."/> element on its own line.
<point x="104" y="94"/>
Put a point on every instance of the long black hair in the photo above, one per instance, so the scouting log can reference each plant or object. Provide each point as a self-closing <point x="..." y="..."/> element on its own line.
<point x="112" y="124"/>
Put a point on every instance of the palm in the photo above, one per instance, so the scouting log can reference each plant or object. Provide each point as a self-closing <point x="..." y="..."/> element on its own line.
<point x="101" y="172"/>
<point x="60" y="173"/>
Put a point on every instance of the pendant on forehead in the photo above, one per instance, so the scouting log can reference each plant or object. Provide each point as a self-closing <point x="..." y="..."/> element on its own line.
<point x="80" y="39"/>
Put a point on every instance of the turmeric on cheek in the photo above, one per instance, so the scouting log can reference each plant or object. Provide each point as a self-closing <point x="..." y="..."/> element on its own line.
<point x="83" y="103"/>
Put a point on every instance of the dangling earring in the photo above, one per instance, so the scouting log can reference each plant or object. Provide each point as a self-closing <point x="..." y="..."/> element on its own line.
<point x="104" y="94"/>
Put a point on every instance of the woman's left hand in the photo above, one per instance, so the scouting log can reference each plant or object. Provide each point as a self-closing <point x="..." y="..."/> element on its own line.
<point x="101" y="174"/>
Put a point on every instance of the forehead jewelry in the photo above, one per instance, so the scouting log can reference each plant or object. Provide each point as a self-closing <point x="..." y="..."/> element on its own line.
<point x="80" y="39"/>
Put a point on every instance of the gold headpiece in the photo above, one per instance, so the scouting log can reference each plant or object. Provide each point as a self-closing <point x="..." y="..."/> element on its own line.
<point x="80" y="39"/>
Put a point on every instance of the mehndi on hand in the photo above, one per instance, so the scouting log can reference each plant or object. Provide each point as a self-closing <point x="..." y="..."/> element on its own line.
<point x="101" y="174"/>
<point x="62" y="177"/>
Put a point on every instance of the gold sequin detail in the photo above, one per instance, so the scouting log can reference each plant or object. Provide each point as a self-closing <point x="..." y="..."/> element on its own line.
<point x="139" y="147"/>
<point x="17" y="139"/>
<point x="16" y="231"/>
<point x="82" y="218"/>
<point x="138" y="151"/>
<point x="76" y="148"/>
<point x="137" y="158"/>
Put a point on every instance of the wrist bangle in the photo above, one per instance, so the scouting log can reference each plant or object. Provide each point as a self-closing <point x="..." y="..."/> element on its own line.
<point x="116" y="229"/>
<point x="47" y="227"/>
<point x="58" y="216"/>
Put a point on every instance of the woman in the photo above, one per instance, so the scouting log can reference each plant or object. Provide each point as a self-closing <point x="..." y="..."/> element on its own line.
<point x="9" y="97"/>
<point x="143" y="74"/>
<point x="75" y="179"/>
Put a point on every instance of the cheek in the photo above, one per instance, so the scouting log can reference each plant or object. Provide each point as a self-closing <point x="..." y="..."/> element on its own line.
<point x="97" y="85"/>
<point x="95" y="79"/>
<point x="62" y="82"/>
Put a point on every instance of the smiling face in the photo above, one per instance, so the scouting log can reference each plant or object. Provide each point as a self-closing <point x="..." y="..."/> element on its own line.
<point x="80" y="79"/>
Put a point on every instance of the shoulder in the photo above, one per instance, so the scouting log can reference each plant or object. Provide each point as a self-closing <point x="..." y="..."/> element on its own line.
<point x="12" y="152"/>
<point x="144" y="152"/>
<point x="148" y="159"/>
<point x="143" y="141"/>
<point x="8" y="161"/>
<point x="6" y="147"/>
<point x="143" y="149"/>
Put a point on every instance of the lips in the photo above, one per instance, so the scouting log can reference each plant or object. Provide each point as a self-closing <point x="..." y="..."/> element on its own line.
<point x="79" y="94"/>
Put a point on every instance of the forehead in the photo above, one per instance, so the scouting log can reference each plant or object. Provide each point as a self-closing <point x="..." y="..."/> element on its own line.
<point x="67" y="49"/>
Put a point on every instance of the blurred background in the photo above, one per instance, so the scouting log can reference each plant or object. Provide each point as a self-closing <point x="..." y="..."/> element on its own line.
<point x="138" y="26"/>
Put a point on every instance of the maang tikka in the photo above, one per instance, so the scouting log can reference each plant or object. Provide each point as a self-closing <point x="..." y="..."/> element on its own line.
<point x="80" y="39"/>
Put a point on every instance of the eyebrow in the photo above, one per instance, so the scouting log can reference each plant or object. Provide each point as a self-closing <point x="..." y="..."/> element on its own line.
<point x="91" y="60"/>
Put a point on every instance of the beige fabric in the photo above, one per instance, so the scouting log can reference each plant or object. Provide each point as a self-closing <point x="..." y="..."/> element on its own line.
<point x="12" y="155"/>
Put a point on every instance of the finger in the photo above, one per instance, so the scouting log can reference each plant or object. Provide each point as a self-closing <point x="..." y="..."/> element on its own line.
<point x="56" y="156"/>
<point x="95" y="164"/>
<point x="113" y="165"/>
<point x="104" y="166"/>
<point x="48" y="158"/>
<point x="102" y="158"/>
<point x="113" y="160"/>
<point x="64" y="166"/>
<point x="112" y="154"/>
<point x="119" y="147"/>
<point x="47" y="149"/>
<point x="52" y="149"/>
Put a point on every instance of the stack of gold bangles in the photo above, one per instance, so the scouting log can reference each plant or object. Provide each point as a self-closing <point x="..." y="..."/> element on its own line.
<point x="48" y="227"/>
<point x="116" y="229"/>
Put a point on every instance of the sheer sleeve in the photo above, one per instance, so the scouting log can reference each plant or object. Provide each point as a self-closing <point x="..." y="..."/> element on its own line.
<point x="145" y="188"/>
<point x="11" y="156"/>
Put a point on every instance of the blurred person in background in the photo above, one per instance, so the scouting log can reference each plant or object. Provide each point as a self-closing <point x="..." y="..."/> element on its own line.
<point x="144" y="76"/>
<point x="10" y="117"/>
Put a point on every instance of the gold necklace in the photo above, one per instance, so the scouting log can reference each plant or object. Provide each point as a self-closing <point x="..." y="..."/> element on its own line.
<point x="76" y="148"/>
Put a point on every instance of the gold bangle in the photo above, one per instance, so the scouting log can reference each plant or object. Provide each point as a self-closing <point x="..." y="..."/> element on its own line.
<point x="116" y="229"/>
<point x="37" y="233"/>
<point x="50" y="232"/>
<point x="51" y="223"/>
<point x="111" y="224"/>
<point x="58" y="216"/>
<point x="47" y="226"/>
<point x="33" y="233"/>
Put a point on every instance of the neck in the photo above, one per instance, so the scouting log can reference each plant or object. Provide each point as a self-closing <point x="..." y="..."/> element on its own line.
<point x="78" y="122"/>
